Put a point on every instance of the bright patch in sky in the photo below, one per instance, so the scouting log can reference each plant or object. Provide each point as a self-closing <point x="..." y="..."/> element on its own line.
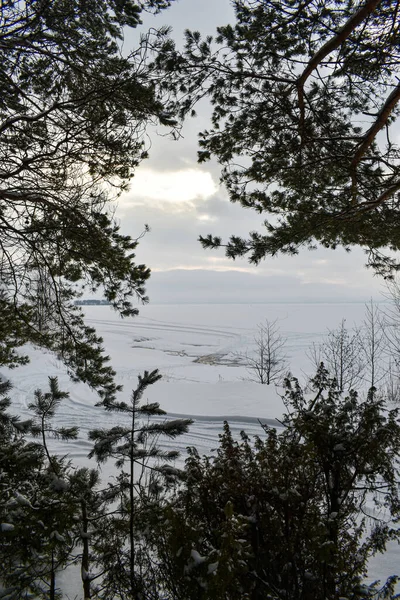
<point x="206" y="218"/>
<point x="221" y="268"/>
<point x="172" y="186"/>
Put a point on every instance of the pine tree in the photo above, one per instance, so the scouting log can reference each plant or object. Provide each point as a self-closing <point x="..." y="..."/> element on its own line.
<point x="305" y="97"/>
<point x="135" y="445"/>
<point x="92" y="505"/>
<point x="37" y="512"/>
<point x="19" y="460"/>
<point x="73" y="114"/>
<point x="293" y="504"/>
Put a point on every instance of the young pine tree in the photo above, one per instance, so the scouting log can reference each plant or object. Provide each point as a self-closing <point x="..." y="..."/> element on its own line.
<point x="135" y="448"/>
<point x="36" y="509"/>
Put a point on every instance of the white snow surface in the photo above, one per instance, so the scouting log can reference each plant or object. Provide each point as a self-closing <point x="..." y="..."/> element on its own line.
<point x="197" y="349"/>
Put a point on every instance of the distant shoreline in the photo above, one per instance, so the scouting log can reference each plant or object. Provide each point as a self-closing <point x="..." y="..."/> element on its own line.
<point x="249" y="303"/>
<point x="92" y="303"/>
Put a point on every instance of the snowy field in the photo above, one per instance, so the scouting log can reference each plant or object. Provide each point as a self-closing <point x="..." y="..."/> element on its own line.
<point x="197" y="349"/>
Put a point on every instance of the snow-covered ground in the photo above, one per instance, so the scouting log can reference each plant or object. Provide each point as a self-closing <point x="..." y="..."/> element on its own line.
<point x="197" y="349"/>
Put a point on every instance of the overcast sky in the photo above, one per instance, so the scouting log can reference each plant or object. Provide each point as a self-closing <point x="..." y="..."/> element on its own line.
<point x="180" y="200"/>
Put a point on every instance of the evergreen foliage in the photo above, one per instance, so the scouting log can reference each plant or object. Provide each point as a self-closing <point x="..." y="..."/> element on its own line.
<point x="53" y="515"/>
<point x="37" y="531"/>
<point x="121" y="554"/>
<point x="285" y="516"/>
<point x="73" y="112"/>
<point x="305" y="98"/>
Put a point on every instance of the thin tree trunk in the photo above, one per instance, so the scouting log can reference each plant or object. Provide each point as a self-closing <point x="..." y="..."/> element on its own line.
<point x="52" y="595"/>
<point x="85" y="553"/>
<point x="131" y="500"/>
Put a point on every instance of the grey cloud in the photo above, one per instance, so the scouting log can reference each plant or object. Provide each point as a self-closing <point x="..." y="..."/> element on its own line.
<point x="172" y="242"/>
